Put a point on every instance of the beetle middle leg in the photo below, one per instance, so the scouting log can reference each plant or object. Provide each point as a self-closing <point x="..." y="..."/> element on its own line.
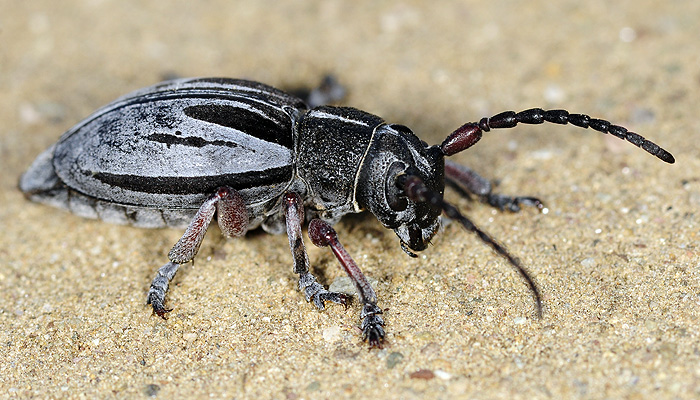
<point x="314" y="291"/>
<point x="329" y="91"/>
<point x="467" y="182"/>
<point x="233" y="221"/>
<point x="322" y="234"/>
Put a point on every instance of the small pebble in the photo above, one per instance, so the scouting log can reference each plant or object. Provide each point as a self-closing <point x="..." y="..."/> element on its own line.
<point x="423" y="374"/>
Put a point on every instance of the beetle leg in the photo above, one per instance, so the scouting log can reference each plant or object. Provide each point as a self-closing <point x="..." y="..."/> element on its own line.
<point x="159" y="286"/>
<point x="329" y="91"/>
<point x="467" y="182"/>
<point x="233" y="221"/>
<point x="322" y="234"/>
<point x="294" y="214"/>
<point x="231" y="213"/>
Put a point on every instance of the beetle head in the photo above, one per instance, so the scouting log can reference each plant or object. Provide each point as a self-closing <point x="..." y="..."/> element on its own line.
<point x="402" y="181"/>
<point x="395" y="151"/>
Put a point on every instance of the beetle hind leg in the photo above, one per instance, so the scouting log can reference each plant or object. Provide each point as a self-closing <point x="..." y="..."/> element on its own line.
<point x="314" y="291"/>
<point x="159" y="286"/>
<point x="233" y="221"/>
<point x="468" y="182"/>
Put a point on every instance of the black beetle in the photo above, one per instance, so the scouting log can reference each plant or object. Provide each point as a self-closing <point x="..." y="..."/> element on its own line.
<point x="185" y="150"/>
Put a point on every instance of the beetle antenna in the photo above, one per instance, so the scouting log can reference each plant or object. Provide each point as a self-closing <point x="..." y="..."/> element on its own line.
<point x="468" y="134"/>
<point x="416" y="190"/>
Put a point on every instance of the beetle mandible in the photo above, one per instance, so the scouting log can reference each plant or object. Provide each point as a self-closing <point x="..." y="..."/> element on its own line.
<point x="178" y="153"/>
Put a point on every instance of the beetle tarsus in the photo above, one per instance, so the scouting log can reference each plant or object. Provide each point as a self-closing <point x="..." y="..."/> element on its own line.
<point x="467" y="182"/>
<point x="316" y="293"/>
<point x="159" y="309"/>
<point x="324" y="295"/>
<point x="372" y="325"/>
<point x="159" y="287"/>
<point x="512" y="203"/>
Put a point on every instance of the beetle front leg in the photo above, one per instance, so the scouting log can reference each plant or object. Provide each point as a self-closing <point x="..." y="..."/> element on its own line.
<point x="314" y="291"/>
<point x="233" y="221"/>
<point x="468" y="181"/>
<point x="322" y="234"/>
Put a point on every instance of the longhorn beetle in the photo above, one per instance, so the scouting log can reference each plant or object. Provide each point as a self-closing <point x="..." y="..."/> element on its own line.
<point x="178" y="153"/>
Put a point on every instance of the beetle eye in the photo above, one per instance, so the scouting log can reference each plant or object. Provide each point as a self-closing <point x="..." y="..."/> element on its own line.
<point x="400" y="203"/>
<point x="395" y="197"/>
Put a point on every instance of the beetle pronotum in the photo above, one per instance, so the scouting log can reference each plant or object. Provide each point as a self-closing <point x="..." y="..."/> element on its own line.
<point x="178" y="153"/>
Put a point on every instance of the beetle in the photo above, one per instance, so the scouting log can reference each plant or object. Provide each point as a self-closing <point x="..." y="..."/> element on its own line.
<point x="178" y="153"/>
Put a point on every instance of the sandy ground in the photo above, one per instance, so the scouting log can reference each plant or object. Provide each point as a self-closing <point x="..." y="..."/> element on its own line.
<point x="616" y="257"/>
